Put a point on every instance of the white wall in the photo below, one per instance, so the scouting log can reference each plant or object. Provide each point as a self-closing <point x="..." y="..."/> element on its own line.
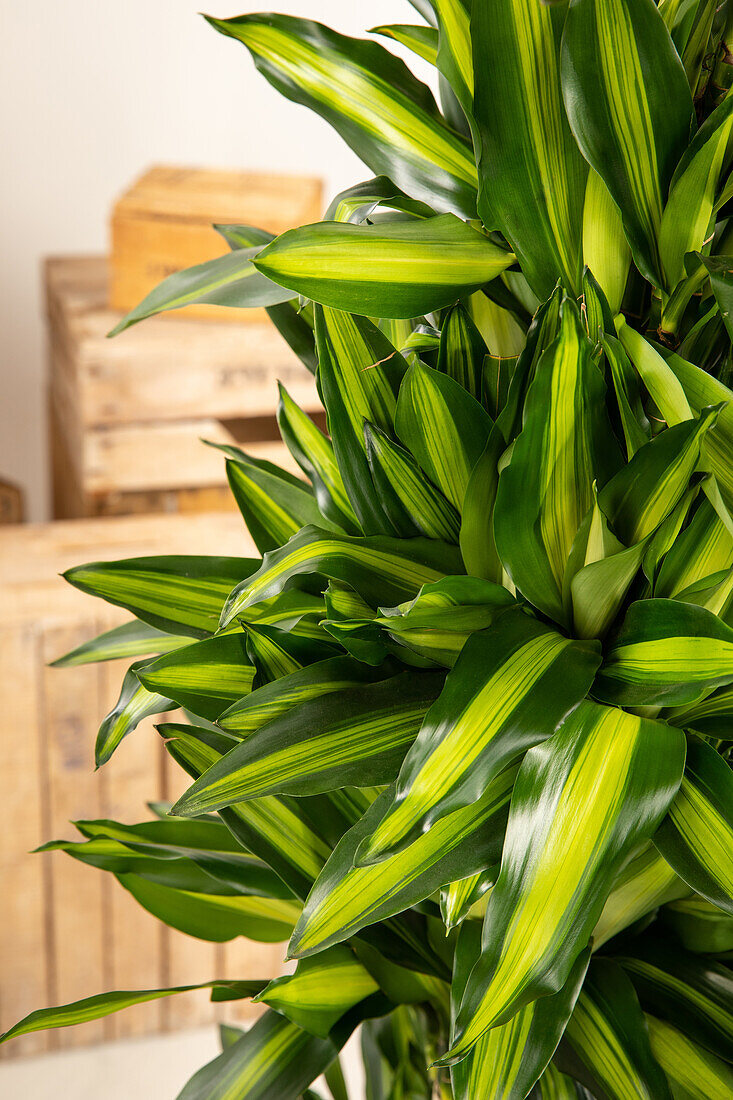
<point x="92" y="92"/>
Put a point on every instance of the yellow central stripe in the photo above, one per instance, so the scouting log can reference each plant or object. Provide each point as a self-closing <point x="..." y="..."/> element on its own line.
<point x="705" y="832"/>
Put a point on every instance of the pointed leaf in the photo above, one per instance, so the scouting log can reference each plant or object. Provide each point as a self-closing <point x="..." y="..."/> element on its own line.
<point x="421" y="40"/>
<point x="605" y="250"/>
<point x="462" y="349"/>
<point x="133" y="639"/>
<point x="390" y="269"/>
<point x="695" y="1073"/>
<point x="354" y="737"/>
<point x="696" y="837"/>
<point x="206" y="677"/>
<point x="370" y="98"/>
<point x="561" y="835"/>
<point x="630" y="109"/>
<point x="532" y="177"/>
<point x="510" y="688"/>
<point x="133" y="705"/>
<point x="274" y="505"/>
<point x="388" y="570"/>
<point x="546" y="490"/>
<point x="641" y="886"/>
<point x="443" y="426"/>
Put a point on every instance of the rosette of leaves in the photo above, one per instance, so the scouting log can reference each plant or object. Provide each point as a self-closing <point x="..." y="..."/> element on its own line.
<point x="461" y="733"/>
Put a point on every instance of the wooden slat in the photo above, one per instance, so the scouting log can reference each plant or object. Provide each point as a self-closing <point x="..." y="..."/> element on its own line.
<point x="70" y="714"/>
<point x="11" y="503"/>
<point x="24" y="956"/>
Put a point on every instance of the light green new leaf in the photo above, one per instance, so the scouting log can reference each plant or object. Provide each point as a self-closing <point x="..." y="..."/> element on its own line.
<point x="413" y="505"/>
<point x="666" y="653"/>
<point x="438" y="622"/>
<point x="532" y="176"/>
<point x="104" y="1004"/>
<point x="443" y="426"/>
<point x="477" y="542"/>
<point x="389" y="269"/>
<point x="642" y="494"/>
<point x="641" y="886"/>
<point x="217" y="918"/>
<point x="421" y="40"/>
<point x="372" y="100"/>
<point x="274" y="1058"/>
<point x="582" y="801"/>
<point x="313" y="451"/>
<point x="695" y="1073"/>
<point x="379" y="568"/>
<point x="358" y="736"/>
<point x="508" y="1060"/>
<point x="686" y="221"/>
<point x="359" y="373"/>
<point x="630" y="109"/>
<point x="605" y="250"/>
<point x="660" y="380"/>
<point x="702" y="550"/>
<point x="181" y="595"/>
<point x="565" y="445"/>
<point x="321" y="990"/>
<point x="134" y="704"/>
<point x="133" y="639"/>
<point x="608" y="1036"/>
<point x="229" y="280"/>
<point x="511" y="687"/>
<point x="693" y="993"/>
<point x="347" y="898"/>
<point x="696" y="837"/>
<point x="206" y="677"/>
<point x="702" y="390"/>
<point x="273" y="503"/>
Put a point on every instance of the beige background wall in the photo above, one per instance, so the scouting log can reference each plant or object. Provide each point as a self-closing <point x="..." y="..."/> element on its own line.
<point x="92" y="92"/>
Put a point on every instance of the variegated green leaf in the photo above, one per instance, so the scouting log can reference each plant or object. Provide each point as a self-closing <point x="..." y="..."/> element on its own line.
<point x="359" y="373"/>
<point x="510" y="688"/>
<point x="313" y="451"/>
<point x="630" y="109"/>
<point x="554" y="1085"/>
<point x="229" y="280"/>
<point x="562" y="850"/>
<point x="605" y="250"/>
<point x="389" y="269"/>
<point x="347" y="898"/>
<point x="385" y="569"/>
<point x="634" y="421"/>
<point x="667" y="652"/>
<point x="422" y="40"/>
<point x="462" y="349"/>
<point x="607" y="1035"/>
<point x="702" y="390"/>
<point x="413" y="505"/>
<point x="206" y="677"/>
<point x="477" y="542"/>
<point x="532" y="176"/>
<point x="321" y="990"/>
<point x="712" y="717"/>
<point x="181" y="595"/>
<point x="443" y="426"/>
<point x="720" y="270"/>
<point x="641" y="886"/>
<point x="104" y="1004"/>
<point x="458" y="899"/>
<point x="509" y="1059"/>
<point x="700" y="926"/>
<point x="702" y="550"/>
<point x="372" y="199"/>
<point x="547" y="489"/>
<point x="134" y="704"/>
<point x="693" y="993"/>
<point x="273" y="503"/>
<point x="696" y="837"/>
<point x="642" y="494"/>
<point x="133" y="639"/>
<point x="371" y="99"/>
<point x="358" y="736"/>
<point x="694" y="1073"/>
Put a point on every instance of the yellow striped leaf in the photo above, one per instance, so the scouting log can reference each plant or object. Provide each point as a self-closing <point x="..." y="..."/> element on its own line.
<point x="605" y="249"/>
<point x="206" y="677"/>
<point x="583" y="800"/>
<point x="546" y="491"/>
<point x="389" y="269"/>
<point x="702" y="390"/>
<point x="696" y="837"/>
<point x="630" y="110"/>
<point x="423" y="41"/>
<point x="510" y="688"/>
<point x="273" y="503"/>
<point x="369" y="97"/>
<point x="387" y="570"/>
<point x="359" y="736"/>
<point x="695" y="1073"/>
<point x="641" y="886"/>
<point x="607" y="1035"/>
<point x="532" y="176"/>
<point x="135" y="703"/>
<point x="133" y="639"/>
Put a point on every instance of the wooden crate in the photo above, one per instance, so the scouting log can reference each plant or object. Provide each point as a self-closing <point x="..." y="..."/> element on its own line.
<point x="66" y="930"/>
<point x="127" y="415"/>
<point x="11" y="503"/>
<point x="163" y="223"/>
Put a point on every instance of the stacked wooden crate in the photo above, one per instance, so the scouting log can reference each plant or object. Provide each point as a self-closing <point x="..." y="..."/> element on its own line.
<point x="66" y="930"/>
<point x="127" y="415"/>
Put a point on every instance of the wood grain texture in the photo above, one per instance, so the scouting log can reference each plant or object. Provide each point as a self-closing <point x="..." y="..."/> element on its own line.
<point x="163" y="223"/>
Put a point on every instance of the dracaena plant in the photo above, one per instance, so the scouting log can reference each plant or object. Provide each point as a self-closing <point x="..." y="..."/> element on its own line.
<point x="462" y="734"/>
